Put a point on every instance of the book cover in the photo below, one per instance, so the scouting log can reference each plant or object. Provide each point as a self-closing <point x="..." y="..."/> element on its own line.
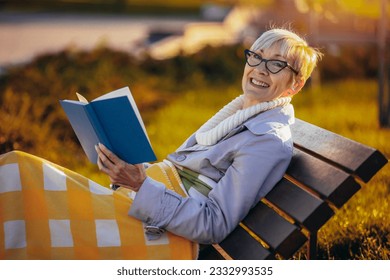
<point x="112" y="119"/>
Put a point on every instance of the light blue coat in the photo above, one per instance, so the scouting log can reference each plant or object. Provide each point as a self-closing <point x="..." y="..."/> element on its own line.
<point x="246" y="164"/>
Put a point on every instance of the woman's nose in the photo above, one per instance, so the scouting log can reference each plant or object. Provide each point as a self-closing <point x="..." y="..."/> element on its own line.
<point x="261" y="68"/>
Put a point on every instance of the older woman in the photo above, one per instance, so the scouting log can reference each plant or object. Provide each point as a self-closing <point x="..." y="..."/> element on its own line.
<point x="235" y="158"/>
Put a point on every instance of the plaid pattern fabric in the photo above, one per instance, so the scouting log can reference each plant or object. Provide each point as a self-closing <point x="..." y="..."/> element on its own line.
<point x="50" y="212"/>
<point x="195" y="184"/>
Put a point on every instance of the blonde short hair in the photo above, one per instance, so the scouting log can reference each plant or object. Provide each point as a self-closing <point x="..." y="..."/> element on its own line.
<point x="302" y="57"/>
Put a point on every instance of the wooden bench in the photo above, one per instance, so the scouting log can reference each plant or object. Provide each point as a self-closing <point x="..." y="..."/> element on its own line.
<point x="324" y="174"/>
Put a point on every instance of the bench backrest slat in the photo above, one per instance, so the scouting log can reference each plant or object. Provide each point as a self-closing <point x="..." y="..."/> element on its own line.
<point x="308" y="210"/>
<point x="322" y="178"/>
<point x="282" y="236"/>
<point x="361" y="160"/>
<point x="242" y="246"/>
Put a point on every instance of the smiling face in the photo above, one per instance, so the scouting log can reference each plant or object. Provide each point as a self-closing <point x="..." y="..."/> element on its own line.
<point x="259" y="85"/>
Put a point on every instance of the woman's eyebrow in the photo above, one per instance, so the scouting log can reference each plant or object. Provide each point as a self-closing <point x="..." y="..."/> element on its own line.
<point x="278" y="56"/>
<point x="274" y="55"/>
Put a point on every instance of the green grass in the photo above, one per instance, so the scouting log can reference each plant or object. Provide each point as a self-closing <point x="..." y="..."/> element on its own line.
<point x="361" y="228"/>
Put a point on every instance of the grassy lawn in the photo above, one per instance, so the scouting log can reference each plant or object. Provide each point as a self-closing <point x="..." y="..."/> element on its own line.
<point x="361" y="228"/>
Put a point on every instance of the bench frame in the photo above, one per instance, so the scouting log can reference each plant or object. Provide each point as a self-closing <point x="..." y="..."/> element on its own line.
<point x="325" y="172"/>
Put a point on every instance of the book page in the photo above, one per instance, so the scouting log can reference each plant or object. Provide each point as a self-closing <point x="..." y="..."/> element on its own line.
<point x="116" y="93"/>
<point x="82" y="98"/>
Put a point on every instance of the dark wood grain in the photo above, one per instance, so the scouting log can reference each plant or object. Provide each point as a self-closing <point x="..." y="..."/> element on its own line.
<point x="282" y="236"/>
<point x="240" y="245"/>
<point x="329" y="182"/>
<point x="306" y="209"/>
<point x="362" y="161"/>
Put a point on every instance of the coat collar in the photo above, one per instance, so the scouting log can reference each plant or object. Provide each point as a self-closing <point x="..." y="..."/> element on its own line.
<point x="271" y="120"/>
<point x="262" y="123"/>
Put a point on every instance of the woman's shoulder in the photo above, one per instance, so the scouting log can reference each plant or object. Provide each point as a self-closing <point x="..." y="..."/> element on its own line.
<point x="275" y="121"/>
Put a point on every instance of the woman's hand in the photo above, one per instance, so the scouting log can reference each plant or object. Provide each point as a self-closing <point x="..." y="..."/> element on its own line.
<point x="120" y="173"/>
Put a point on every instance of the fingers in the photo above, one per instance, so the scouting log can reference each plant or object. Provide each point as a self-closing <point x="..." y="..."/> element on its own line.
<point x="101" y="166"/>
<point x="103" y="160"/>
<point x="119" y="172"/>
<point x="109" y="155"/>
<point x="108" y="162"/>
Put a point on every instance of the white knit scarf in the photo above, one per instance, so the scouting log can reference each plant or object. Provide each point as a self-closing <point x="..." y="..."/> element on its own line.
<point x="231" y="116"/>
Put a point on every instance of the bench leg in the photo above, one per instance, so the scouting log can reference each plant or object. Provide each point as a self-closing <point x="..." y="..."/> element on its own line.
<point x="312" y="246"/>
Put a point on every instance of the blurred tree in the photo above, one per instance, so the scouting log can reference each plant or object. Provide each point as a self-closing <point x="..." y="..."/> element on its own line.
<point x="367" y="8"/>
<point x="376" y="9"/>
<point x="261" y="3"/>
<point x="384" y="77"/>
<point x="120" y="5"/>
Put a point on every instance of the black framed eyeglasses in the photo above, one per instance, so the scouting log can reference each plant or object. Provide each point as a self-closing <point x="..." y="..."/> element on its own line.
<point x="273" y="65"/>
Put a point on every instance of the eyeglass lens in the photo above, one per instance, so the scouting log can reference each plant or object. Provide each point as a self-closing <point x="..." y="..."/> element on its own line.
<point x="272" y="65"/>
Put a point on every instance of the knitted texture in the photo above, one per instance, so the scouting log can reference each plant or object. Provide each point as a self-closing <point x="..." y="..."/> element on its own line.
<point x="231" y="116"/>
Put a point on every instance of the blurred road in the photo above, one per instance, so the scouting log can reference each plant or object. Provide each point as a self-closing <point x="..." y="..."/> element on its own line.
<point x="23" y="36"/>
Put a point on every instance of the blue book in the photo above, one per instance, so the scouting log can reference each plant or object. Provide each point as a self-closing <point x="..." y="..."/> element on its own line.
<point x="112" y="119"/>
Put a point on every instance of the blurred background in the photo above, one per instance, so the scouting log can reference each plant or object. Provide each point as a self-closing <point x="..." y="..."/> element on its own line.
<point x="183" y="60"/>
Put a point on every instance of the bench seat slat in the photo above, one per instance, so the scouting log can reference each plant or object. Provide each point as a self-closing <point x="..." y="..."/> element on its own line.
<point x="208" y="252"/>
<point x="284" y="237"/>
<point x="328" y="181"/>
<point x="363" y="161"/>
<point x="304" y="207"/>
<point x="240" y="245"/>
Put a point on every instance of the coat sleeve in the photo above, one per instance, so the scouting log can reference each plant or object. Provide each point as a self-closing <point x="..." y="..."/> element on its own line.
<point x="257" y="166"/>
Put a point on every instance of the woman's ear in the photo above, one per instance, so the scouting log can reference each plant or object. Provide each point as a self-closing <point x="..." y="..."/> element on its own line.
<point x="296" y="86"/>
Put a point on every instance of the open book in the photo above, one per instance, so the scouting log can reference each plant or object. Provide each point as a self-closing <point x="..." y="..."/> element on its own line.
<point x="112" y="119"/>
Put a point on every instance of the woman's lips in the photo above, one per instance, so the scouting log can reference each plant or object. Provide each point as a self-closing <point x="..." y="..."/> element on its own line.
<point x="259" y="83"/>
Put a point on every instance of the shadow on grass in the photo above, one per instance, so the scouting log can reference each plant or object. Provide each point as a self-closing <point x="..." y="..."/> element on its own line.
<point x="373" y="244"/>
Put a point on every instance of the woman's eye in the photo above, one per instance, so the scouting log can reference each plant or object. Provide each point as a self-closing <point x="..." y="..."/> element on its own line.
<point x="258" y="57"/>
<point x="278" y="63"/>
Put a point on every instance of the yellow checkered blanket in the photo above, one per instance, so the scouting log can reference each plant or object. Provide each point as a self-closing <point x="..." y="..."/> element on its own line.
<point x="50" y="212"/>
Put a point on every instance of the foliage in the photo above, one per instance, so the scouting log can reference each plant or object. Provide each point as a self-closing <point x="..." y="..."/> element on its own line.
<point x="210" y="66"/>
<point x="108" y="6"/>
<point x="364" y="8"/>
<point x="351" y="62"/>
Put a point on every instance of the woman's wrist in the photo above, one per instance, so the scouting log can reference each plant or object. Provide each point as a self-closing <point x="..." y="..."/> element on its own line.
<point x="138" y="186"/>
<point x="135" y="188"/>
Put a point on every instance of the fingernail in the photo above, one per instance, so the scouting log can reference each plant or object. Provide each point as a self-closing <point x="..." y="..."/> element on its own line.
<point x="96" y="147"/>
